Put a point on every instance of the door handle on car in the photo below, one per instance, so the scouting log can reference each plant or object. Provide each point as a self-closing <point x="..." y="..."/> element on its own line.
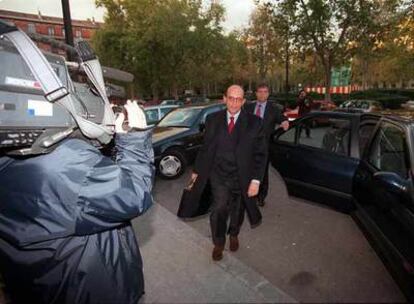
<point x="361" y="176"/>
<point x="287" y="155"/>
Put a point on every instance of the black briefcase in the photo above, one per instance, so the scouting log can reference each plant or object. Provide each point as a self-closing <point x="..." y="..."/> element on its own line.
<point x="193" y="202"/>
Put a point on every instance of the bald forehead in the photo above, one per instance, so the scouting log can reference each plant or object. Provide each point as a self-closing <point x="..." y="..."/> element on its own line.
<point x="235" y="89"/>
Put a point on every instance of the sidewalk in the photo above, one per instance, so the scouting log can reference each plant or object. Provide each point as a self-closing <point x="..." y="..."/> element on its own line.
<point x="178" y="266"/>
<point x="311" y="252"/>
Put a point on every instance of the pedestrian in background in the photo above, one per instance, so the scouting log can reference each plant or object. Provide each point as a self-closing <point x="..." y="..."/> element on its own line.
<point x="272" y="116"/>
<point x="304" y="104"/>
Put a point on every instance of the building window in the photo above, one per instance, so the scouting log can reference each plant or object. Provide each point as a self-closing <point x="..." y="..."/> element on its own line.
<point x="78" y="34"/>
<point x="31" y="28"/>
<point x="51" y="31"/>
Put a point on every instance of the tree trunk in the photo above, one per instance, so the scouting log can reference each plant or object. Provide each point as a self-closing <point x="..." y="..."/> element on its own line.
<point x="327" y="63"/>
<point x="175" y="91"/>
<point x="155" y="91"/>
<point x="287" y="88"/>
<point x="365" y="74"/>
<point x="328" y="83"/>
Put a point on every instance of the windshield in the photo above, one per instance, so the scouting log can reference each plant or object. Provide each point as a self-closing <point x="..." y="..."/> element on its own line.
<point x="180" y="118"/>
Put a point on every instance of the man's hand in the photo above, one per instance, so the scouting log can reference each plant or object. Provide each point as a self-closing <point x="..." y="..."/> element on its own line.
<point x="119" y="123"/>
<point x="253" y="189"/>
<point x="192" y="180"/>
<point x="136" y="117"/>
<point x="285" y="125"/>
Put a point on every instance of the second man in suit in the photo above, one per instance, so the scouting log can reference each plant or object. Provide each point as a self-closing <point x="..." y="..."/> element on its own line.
<point x="272" y="116"/>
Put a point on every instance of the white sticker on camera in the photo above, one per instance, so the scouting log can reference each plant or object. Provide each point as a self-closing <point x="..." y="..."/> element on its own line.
<point x="39" y="108"/>
<point x="20" y="82"/>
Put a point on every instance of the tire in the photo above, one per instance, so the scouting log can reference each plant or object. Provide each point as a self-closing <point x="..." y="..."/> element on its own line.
<point x="172" y="164"/>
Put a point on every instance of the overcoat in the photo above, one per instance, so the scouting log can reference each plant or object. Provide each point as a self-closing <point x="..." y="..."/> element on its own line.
<point x="273" y="116"/>
<point x="251" y="155"/>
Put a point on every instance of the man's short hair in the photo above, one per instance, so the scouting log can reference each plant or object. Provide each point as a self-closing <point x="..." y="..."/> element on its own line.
<point x="262" y="86"/>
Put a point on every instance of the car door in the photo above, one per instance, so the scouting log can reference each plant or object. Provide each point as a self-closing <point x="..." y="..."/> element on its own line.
<point x="383" y="191"/>
<point x="319" y="164"/>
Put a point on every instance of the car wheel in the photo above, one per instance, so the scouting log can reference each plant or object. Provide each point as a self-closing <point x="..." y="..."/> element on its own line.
<point x="172" y="164"/>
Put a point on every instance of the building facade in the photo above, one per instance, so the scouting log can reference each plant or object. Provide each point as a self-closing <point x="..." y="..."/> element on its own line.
<point x="50" y="26"/>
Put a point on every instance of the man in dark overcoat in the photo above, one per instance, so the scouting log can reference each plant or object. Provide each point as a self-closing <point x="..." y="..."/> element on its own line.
<point x="233" y="159"/>
<point x="273" y="117"/>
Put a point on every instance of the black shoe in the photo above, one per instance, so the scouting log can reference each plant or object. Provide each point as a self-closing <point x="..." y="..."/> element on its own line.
<point x="261" y="202"/>
<point x="234" y="243"/>
<point x="217" y="254"/>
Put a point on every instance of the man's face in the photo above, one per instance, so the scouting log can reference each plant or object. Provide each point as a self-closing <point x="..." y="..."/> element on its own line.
<point x="302" y="95"/>
<point x="262" y="94"/>
<point x="234" y="99"/>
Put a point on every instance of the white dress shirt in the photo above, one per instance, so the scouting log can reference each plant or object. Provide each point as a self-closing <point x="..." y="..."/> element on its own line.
<point x="262" y="108"/>
<point x="236" y="116"/>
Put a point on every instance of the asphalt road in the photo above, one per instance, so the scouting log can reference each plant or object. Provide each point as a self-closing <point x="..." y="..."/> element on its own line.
<point x="311" y="252"/>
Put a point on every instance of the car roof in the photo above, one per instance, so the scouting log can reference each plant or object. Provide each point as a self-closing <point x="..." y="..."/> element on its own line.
<point x="360" y="100"/>
<point x="396" y="118"/>
<point x="160" y="107"/>
<point x="203" y="106"/>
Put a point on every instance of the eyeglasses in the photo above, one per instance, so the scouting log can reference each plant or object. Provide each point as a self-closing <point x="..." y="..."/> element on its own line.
<point x="235" y="99"/>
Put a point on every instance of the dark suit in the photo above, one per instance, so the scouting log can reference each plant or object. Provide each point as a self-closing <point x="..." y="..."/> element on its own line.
<point x="273" y="116"/>
<point x="230" y="162"/>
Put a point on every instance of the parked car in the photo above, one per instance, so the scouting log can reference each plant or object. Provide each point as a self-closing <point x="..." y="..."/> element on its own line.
<point x="178" y="137"/>
<point x="360" y="106"/>
<point x="359" y="163"/>
<point x="409" y="105"/>
<point x="155" y="113"/>
<point x="172" y="102"/>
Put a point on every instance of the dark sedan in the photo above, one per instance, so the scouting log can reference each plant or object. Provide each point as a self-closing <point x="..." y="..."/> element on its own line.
<point x="178" y="136"/>
<point x="359" y="163"/>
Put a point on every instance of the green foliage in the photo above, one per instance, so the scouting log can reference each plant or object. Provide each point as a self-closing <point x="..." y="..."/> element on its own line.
<point x="169" y="45"/>
<point x="327" y="27"/>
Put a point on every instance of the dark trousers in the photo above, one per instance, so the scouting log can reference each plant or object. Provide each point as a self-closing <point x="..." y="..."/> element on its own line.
<point x="227" y="204"/>
<point x="264" y="185"/>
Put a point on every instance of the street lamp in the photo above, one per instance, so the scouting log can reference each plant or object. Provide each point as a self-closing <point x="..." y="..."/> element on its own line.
<point x="67" y="22"/>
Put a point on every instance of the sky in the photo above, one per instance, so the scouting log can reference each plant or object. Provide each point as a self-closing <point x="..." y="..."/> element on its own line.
<point x="238" y="11"/>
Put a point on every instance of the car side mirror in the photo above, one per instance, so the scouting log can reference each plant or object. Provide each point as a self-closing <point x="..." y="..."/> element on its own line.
<point x="202" y="126"/>
<point x="391" y="181"/>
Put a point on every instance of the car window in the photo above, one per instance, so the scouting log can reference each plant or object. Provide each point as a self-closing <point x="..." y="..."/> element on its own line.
<point x="388" y="151"/>
<point x="288" y="136"/>
<point x="326" y="133"/>
<point x="210" y="111"/>
<point x="365" y="132"/>
<point x="164" y="111"/>
<point x="152" y="116"/>
<point x="183" y="117"/>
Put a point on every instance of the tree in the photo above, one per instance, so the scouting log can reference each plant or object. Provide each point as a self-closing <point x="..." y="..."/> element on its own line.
<point x="262" y="41"/>
<point x="388" y="56"/>
<point x="327" y="27"/>
<point x="169" y="45"/>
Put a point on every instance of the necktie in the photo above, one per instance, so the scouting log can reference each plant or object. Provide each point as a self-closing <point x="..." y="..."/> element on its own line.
<point x="230" y="126"/>
<point x="259" y="111"/>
